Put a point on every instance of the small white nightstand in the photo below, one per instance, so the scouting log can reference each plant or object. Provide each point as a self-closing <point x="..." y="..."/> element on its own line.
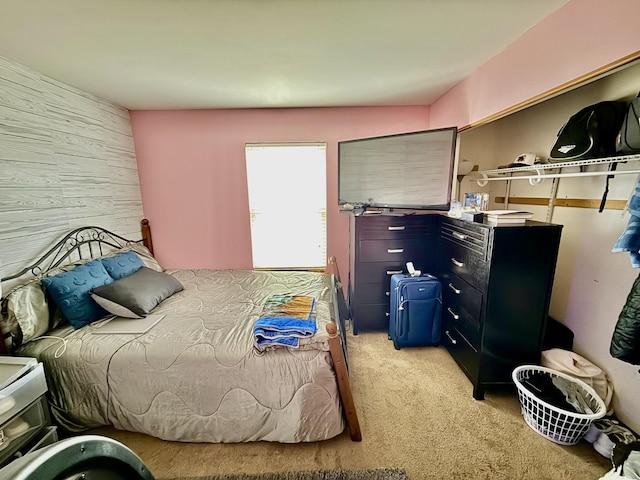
<point x="25" y="422"/>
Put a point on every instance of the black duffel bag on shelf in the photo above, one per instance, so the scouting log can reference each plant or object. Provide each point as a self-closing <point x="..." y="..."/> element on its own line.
<point x="628" y="139"/>
<point x="590" y="133"/>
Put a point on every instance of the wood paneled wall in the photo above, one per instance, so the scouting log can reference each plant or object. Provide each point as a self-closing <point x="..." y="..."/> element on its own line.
<point x="66" y="160"/>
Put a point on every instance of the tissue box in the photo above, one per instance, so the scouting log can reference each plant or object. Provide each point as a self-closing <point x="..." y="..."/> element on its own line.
<point x="472" y="217"/>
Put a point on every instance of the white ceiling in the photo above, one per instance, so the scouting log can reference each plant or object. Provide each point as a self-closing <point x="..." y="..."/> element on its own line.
<point x="173" y="54"/>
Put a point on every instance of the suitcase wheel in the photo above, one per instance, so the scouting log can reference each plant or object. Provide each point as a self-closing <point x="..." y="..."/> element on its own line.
<point x="388" y="336"/>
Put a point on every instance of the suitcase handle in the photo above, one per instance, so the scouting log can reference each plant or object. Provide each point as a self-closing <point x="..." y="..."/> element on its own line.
<point x="399" y="323"/>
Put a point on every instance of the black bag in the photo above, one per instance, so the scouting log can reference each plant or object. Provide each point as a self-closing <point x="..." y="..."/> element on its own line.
<point x="628" y="140"/>
<point x="590" y="133"/>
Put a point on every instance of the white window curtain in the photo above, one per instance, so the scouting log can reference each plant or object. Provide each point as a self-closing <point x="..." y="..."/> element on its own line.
<point x="287" y="200"/>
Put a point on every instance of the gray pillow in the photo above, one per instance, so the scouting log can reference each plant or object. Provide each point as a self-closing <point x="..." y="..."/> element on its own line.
<point x="135" y="295"/>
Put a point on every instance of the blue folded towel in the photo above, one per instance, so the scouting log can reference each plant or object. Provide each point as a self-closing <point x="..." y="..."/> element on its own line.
<point x="285" y="319"/>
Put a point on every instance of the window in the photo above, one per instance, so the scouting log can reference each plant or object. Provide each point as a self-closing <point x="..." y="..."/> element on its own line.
<point x="288" y="204"/>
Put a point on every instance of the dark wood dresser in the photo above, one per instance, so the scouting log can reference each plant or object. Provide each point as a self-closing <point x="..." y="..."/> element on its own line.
<point x="380" y="245"/>
<point x="496" y="283"/>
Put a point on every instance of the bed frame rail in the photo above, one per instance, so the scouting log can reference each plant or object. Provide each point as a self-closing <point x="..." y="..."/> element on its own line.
<point x="338" y="349"/>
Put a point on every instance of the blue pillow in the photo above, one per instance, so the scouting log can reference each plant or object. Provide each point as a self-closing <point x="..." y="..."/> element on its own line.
<point x="70" y="292"/>
<point x="122" y="265"/>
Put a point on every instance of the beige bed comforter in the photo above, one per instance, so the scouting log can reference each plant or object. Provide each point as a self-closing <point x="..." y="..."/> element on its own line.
<point x="196" y="376"/>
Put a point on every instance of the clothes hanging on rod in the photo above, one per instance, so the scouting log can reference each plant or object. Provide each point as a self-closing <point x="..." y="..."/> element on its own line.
<point x="629" y="241"/>
<point x="625" y="342"/>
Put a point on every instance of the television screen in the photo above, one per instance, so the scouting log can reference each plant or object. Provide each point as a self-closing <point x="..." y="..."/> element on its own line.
<point x="408" y="170"/>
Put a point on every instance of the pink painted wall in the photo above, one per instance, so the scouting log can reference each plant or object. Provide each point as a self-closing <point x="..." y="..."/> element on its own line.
<point x="191" y="163"/>
<point x="191" y="166"/>
<point x="579" y="38"/>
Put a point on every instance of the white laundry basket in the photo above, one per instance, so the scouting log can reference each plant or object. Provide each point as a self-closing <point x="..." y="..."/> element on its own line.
<point x="558" y="425"/>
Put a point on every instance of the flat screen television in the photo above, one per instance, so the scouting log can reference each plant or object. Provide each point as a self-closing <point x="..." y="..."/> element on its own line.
<point x="408" y="170"/>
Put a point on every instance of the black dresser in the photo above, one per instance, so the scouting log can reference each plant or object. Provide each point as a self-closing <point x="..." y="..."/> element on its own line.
<point x="496" y="283"/>
<point x="381" y="245"/>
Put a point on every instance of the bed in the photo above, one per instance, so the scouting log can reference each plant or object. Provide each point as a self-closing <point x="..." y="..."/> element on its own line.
<point x="198" y="374"/>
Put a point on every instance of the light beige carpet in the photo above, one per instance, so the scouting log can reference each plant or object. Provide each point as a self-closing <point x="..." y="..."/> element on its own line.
<point x="416" y="412"/>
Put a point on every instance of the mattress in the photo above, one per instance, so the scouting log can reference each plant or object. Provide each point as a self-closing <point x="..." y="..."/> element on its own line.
<point x="197" y="376"/>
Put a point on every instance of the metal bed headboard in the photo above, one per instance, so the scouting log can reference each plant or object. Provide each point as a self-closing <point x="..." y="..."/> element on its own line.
<point x="83" y="243"/>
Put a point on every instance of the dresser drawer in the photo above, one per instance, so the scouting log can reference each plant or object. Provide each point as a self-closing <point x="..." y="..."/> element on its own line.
<point x="371" y="316"/>
<point x="48" y="436"/>
<point x="18" y="431"/>
<point x="380" y="272"/>
<point x="464" y="324"/>
<point x="464" y="263"/>
<point x="460" y="295"/>
<point x="462" y="305"/>
<point x="393" y="250"/>
<point x="461" y="350"/>
<point x="470" y="236"/>
<point x="21" y="392"/>
<point x="373" y="293"/>
<point x="391" y="227"/>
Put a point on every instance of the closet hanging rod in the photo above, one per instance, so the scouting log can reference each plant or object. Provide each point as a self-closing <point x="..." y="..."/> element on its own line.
<point x="558" y="165"/>
<point x="536" y="179"/>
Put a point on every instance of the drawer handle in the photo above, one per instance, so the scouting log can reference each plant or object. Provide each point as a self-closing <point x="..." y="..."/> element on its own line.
<point x="451" y="339"/>
<point x="395" y="250"/>
<point x="459" y="236"/>
<point x="395" y="229"/>
<point x="387" y="293"/>
<point x="453" y="314"/>
<point x="386" y="314"/>
<point x="456" y="290"/>
<point x="457" y="263"/>
<point x="393" y="272"/>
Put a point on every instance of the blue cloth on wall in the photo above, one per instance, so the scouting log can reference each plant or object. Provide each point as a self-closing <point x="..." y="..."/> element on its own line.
<point x="629" y="241"/>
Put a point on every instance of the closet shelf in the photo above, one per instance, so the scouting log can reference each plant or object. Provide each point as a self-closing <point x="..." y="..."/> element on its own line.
<point x="553" y="170"/>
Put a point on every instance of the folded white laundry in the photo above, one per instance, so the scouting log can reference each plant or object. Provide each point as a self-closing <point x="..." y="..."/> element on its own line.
<point x="15" y="428"/>
<point x="7" y="402"/>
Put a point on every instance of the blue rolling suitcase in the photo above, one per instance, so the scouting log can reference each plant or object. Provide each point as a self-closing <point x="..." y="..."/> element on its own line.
<point x="416" y="310"/>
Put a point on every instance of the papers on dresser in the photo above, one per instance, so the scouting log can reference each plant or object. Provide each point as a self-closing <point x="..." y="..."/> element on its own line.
<point x="500" y="217"/>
